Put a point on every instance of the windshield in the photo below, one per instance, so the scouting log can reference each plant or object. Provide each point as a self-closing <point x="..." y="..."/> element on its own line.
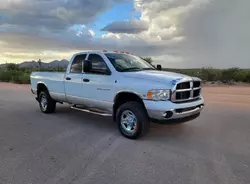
<point x="126" y="63"/>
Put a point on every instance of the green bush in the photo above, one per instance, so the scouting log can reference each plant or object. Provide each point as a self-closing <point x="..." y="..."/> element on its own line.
<point x="211" y="74"/>
<point x="24" y="79"/>
<point x="12" y="66"/>
<point x="14" y="76"/>
<point x="242" y="76"/>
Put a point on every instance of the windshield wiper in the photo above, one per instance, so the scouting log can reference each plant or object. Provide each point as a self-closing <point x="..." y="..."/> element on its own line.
<point x="148" y="69"/>
<point x="131" y="69"/>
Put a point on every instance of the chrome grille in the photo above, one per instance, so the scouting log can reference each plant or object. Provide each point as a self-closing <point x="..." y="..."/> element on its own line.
<point x="186" y="91"/>
<point x="184" y="85"/>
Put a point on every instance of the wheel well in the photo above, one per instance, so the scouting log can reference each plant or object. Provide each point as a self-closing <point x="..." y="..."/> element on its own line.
<point x="124" y="97"/>
<point x="41" y="87"/>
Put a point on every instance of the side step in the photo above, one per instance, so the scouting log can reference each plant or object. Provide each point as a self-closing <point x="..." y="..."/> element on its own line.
<point x="91" y="111"/>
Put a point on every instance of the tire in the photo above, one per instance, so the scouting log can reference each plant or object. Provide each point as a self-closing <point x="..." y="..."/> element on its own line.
<point x="131" y="110"/>
<point x="50" y="106"/>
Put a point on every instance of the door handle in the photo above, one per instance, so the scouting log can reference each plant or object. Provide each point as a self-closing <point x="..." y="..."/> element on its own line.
<point x="68" y="78"/>
<point x="85" y="80"/>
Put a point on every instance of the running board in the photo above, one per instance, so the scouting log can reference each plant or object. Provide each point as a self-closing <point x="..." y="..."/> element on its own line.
<point x="89" y="111"/>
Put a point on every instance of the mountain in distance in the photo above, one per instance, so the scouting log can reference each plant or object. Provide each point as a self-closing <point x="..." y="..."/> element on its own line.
<point x="34" y="64"/>
<point x="29" y="64"/>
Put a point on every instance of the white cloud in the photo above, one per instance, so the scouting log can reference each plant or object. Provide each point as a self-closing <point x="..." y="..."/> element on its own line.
<point x="91" y="32"/>
<point x="111" y="35"/>
<point x="181" y="33"/>
<point x="51" y="14"/>
<point x="28" y="26"/>
<point x="195" y="32"/>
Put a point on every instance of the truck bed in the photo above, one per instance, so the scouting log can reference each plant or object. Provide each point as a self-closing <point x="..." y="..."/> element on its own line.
<point x="53" y="80"/>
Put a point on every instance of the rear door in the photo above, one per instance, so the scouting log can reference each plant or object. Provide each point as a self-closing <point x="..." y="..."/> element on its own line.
<point x="73" y="81"/>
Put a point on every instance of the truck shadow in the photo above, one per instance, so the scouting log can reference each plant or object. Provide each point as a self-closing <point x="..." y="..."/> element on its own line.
<point x="182" y="130"/>
<point x="158" y="130"/>
<point x="78" y="117"/>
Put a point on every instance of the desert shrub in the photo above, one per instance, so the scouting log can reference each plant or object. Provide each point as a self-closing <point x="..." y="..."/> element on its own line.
<point x="12" y="66"/>
<point x="212" y="74"/>
<point x="240" y="76"/>
<point x="229" y="74"/>
<point x="21" y="78"/>
<point x="209" y="74"/>
<point x="246" y="76"/>
<point x="5" y="76"/>
<point x="14" y="76"/>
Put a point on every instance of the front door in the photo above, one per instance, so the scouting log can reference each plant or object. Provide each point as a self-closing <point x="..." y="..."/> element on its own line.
<point x="74" y="80"/>
<point x="98" y="83"/>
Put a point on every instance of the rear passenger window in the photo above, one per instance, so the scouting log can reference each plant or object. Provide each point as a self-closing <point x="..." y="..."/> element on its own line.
<point x="77" y="64"/>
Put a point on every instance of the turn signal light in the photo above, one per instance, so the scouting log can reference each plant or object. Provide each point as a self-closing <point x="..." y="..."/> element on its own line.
<point x="150" y="95"/>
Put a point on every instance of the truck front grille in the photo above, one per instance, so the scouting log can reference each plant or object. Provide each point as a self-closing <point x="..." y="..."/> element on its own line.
<point x="197" y="93"/>
<point x="184" y="85"/>
<point x="183" y="95"/>
<point x="186" y="91"/>
<point x="197" y="84"/>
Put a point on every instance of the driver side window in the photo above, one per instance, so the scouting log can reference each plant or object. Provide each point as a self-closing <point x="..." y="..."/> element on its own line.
<point x="96" y="65"/>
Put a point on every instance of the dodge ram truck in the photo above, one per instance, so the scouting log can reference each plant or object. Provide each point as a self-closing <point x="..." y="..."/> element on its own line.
<point x="120" y="85"/>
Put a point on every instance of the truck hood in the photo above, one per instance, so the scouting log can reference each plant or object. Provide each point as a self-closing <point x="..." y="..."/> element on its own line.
<point x="157" y="76"/>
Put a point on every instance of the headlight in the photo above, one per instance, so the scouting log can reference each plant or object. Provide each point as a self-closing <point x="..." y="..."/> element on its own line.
<point x="159" y="94"/>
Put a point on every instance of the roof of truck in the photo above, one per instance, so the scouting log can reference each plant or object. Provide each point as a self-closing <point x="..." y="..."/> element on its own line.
<point x="102" y="51"/>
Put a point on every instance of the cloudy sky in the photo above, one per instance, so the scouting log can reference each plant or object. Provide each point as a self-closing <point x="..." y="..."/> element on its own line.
<point x="175" y="33"/>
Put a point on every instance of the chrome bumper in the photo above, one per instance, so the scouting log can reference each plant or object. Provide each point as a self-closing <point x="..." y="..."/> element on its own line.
<point x="167" y="110"/>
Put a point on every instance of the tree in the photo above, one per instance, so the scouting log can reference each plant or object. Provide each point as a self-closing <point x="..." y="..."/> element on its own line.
<point x="40" y="64"/>
<point x="148" y="59"/>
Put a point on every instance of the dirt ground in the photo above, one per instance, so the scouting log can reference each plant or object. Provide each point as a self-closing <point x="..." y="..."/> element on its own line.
<point x="227" y="95"/>
<point x="75" y="147"/>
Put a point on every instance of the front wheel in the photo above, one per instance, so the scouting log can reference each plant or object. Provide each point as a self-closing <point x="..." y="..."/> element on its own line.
<point x="132" y="120"/>
<point x="46" y="103"/>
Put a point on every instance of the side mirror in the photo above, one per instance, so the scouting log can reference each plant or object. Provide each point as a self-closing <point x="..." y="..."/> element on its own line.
<point x="158" y="67"/>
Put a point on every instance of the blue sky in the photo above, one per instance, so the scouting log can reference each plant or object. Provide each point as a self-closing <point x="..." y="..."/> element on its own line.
<point x="121" y="11"/>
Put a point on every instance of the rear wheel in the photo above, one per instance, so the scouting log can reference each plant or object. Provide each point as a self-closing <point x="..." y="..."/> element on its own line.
<point x="132" y="119"/>
<point x="46" y="103"/>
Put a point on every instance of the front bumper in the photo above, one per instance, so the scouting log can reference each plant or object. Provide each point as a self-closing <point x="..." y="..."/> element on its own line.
<point x="167" y="110"/>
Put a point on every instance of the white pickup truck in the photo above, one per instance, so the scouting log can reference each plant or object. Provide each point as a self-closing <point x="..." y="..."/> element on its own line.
<point x="123" y="86"/>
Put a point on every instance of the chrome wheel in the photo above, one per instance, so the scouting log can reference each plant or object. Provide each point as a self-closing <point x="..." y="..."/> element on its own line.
<point x="128" y="121"/>
<point x="44" y="102"/>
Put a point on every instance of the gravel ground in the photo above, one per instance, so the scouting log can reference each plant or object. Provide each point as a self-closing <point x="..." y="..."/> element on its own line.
<point x="75" y="147"/>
